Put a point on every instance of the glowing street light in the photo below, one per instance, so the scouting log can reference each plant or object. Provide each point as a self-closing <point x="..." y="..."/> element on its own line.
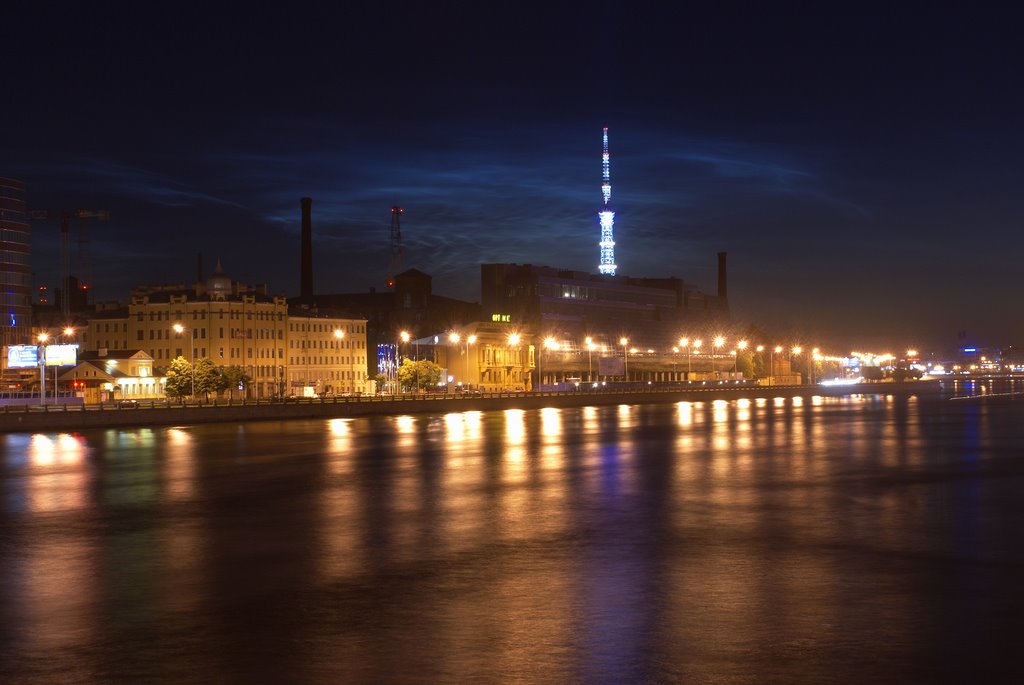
<point x="469" y="341"/>
<point x="549" y="344"/>
<point x="590" y="358"/>
<point x="771" y="363"/>
<point x="718" y="342"/>
<point x="179" y="329"/>
<point x="685" y="344"/>
<point x="42" y="338"/>
<point x="513" y="341"/>
<point x="625" y="359"/>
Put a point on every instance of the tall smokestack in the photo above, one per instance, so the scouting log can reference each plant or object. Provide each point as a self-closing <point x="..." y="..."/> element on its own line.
<point x="306" y="275"/>
<point x="723" y="281"/>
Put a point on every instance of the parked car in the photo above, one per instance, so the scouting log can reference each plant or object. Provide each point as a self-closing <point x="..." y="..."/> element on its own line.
<point x="127" y="404"/>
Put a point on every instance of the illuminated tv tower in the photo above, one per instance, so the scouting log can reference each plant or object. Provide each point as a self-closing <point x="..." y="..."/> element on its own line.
<point x="606" y="215"/>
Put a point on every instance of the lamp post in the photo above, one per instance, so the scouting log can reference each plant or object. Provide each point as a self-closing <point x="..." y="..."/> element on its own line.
<point x="815" y="353"/>
<point x="454" y="338"/>
<point x="339" y="335"/>
<point x="771" y="362"/>
<point x="469" y="341"/>
<point x="549" y="344"/>
<point x="740" y="346"/>
<point x="178" y="328"/>
<point x="625" y="358"/>
<point x="590" y="359"/>
<point x="717" y="343"/>
<point x="513" y="342"/>
<point x="42" y="337"/>
<point x="403" y="337"/>
<point x="696" y="345"/>
<point x="795" y="352"/>
<point x="68" y="332"/>
<point x="685" y="344"/>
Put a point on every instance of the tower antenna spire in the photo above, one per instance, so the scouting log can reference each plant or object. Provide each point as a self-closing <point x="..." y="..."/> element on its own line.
<point x="606" y="216"/>
<point x="396" y="245"/>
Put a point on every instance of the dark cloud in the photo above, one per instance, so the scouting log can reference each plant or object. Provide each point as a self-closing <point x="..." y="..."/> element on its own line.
<point x="862" y="174"/>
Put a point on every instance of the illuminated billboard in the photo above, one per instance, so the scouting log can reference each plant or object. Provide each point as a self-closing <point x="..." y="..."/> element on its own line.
<point x="22" y="356"/>
<point x="61" y="355"/>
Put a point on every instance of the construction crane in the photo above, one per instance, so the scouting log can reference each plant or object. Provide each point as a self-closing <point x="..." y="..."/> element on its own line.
<point x="65" y="217"/>
<point x="396" y="245"/>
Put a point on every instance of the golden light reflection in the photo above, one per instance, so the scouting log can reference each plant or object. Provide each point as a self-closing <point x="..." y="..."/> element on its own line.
<point x="719" y="411"/>
<point x="590" y="420"/>
<point x="798" y="401"/>
<point x="473" y="421"/>
<point x="405" y="426"/>
<point x="455" y="427"/>
<point x="61" y="482"/>
<point x="515" y="427"/>
<point x="684" y="411"/>
<point x="817" y="400"/>
<point x="779" y="401"/>
<point x="179" y="465"/>
<point x="339" y="445"/>
<point x="551" y="422"/>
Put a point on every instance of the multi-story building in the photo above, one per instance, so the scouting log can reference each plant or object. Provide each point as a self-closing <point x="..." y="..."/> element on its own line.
<point x="490" y="356"/>
<point x="15" y="264"/>
<point x="571" y="304"/>
<point x="234" y="324"/>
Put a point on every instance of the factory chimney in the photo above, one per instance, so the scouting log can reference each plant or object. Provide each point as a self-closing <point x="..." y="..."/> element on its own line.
<point x="723" y="281"/>
<point x="306" y="275"/>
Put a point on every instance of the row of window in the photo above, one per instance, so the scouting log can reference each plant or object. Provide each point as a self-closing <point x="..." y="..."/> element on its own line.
<point x="200" y="314"/>
<point x="324" y="328"/>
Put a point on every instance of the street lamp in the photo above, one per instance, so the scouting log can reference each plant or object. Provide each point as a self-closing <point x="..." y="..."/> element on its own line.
<point x="178" y="328"/>
<point x="718" y="343"/>
<point x="68" y="332"/>
<point x="740" y="346"/>
<point x="794" y="353"/>
<point x="42" y="337"/>
<point x="403" y="337"/>
<point x="625" y="358"/>
<point x="339" y="335"/>
<point x="549" y="344"/>
<point x="590" y="359"/>
<point x="685" y="344"/>
<point x="513" y="341"/>
<point x="469" y="341"/>
<point x="815" y="355"/>
<point x="771" y="363"/>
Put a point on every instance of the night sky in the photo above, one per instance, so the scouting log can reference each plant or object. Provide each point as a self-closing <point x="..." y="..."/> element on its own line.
<point x="861" y="167"/>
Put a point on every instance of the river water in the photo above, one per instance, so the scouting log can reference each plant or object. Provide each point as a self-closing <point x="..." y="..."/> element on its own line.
<point x="849" y="540"/>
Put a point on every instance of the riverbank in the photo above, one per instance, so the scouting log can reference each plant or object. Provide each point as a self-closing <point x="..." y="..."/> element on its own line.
<point x="71" y="418"/>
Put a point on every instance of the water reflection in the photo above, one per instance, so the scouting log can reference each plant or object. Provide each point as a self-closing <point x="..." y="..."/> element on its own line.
<point x="647" y="543"/>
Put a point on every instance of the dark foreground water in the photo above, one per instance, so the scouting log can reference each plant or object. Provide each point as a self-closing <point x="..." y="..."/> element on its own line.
<point x="854" y="540"/>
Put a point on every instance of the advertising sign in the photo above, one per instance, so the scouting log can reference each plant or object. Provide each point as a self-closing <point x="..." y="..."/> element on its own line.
<point x="611" y="366"/>
<point x="22" y="356"/>
<point x="61" y="355"/>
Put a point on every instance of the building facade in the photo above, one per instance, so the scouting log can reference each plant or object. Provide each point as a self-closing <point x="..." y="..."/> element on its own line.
<point x="15" y="264"/>
<point x="234" y="324"/>
<point x="574" y="305"/>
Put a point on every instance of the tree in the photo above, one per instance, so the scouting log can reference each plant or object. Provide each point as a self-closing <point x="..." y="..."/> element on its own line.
<point x="206" y="376"/>
<point x="179" y="378"/>
<point x="416" y="375"/>
<point x="232" y="378"/>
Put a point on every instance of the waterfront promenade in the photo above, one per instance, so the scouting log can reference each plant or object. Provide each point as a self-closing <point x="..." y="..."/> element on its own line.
<point x="65" y="417"/>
